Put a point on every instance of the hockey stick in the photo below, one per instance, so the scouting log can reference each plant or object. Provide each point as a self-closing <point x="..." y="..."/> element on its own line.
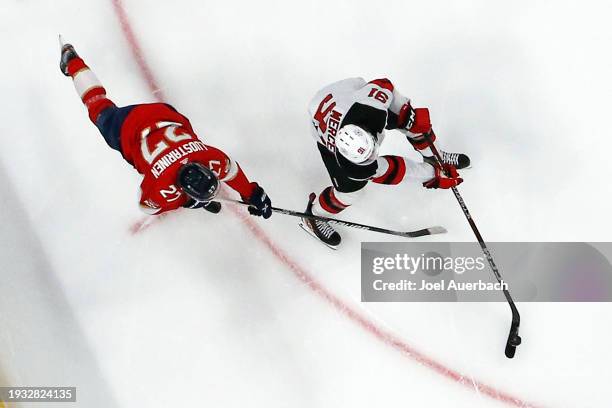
<point x="405" y="234"/>
<point x="513" y="337"/>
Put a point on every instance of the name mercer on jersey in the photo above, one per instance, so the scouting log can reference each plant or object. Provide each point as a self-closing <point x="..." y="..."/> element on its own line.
<point x="174" y="155"/>
<point x="328" y="126"/>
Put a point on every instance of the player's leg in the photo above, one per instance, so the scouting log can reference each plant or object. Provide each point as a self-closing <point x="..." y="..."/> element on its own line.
<point x="332" y="200"/>
<point x="394" y="170"/>
<point x="107" y="117"/>
<point x="86" y="83"/>
<point x="342" y="194"/>
<point x="109" y="123"/>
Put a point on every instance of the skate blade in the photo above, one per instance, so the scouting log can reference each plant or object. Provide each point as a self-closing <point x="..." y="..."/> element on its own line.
<point x="312" y="234"/>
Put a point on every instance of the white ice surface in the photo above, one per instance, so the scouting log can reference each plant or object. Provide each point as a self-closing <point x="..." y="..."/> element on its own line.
<point x="195" y="310"/>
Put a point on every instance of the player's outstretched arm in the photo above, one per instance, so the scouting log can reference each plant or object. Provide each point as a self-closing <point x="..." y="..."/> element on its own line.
<point x="251" y="192"/>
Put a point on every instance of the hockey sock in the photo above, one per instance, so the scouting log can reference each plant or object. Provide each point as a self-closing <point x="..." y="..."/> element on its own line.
<point x="395" y="169"/>
<point x="331" y="201"/>
<point x="89" y="88"/>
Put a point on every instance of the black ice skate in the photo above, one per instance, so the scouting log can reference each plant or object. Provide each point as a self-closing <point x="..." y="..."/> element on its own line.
<point x="320" y="229"/>
<point x="459" y="160"/>
<point x="68" y="53"/>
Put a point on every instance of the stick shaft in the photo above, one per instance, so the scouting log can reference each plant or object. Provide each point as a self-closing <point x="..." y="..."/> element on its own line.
<point x="516" y="317"/>
<point x="408" y="234"/>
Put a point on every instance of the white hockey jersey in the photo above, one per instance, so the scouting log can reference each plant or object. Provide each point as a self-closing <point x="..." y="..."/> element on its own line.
<point x="373" y="106"/>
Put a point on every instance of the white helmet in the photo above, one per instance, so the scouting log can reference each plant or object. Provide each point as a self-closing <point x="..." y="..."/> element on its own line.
<point x="356" y="145"/>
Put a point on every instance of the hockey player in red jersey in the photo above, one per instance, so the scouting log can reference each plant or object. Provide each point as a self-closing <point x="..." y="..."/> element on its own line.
<point x="349" y="118"/>
<point x="179" y="170"/>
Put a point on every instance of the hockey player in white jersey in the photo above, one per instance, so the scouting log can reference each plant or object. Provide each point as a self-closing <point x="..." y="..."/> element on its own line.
<point x="349" y="119"/>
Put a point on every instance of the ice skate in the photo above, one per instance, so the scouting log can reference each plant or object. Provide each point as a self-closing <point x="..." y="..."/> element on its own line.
<point x="320" y="229"/>
<point x="459" y="160"/>
<point x="68" y="53"/>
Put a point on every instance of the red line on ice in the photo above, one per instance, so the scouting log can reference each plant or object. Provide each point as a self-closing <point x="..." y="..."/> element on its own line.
<point x="145" y="70"/>
<point x="386" y="337"/>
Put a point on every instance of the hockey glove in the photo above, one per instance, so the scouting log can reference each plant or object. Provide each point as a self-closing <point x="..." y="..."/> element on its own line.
<point x="414" y="120"/>
<point x="259" y="202"/>
<point x="445" y="177"/>
<point x="210" y="206"/>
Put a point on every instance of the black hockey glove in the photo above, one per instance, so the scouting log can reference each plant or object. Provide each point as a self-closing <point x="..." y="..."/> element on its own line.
<point x="210" y="206"/>
<point x="259" y="202"/>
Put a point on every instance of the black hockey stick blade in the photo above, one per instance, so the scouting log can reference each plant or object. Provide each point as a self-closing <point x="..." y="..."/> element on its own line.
<point x="514" y="340"/>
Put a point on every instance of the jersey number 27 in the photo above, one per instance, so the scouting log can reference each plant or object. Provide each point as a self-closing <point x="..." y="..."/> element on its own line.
<point x="170" y="134"/>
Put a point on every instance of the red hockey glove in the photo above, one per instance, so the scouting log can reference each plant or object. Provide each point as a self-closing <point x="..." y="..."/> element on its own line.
<point x="445" y="177"/>
<point x="414" y="120"/>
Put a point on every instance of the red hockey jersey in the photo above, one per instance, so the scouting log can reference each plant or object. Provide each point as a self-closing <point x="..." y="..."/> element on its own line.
<point x="157" y="141"/>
